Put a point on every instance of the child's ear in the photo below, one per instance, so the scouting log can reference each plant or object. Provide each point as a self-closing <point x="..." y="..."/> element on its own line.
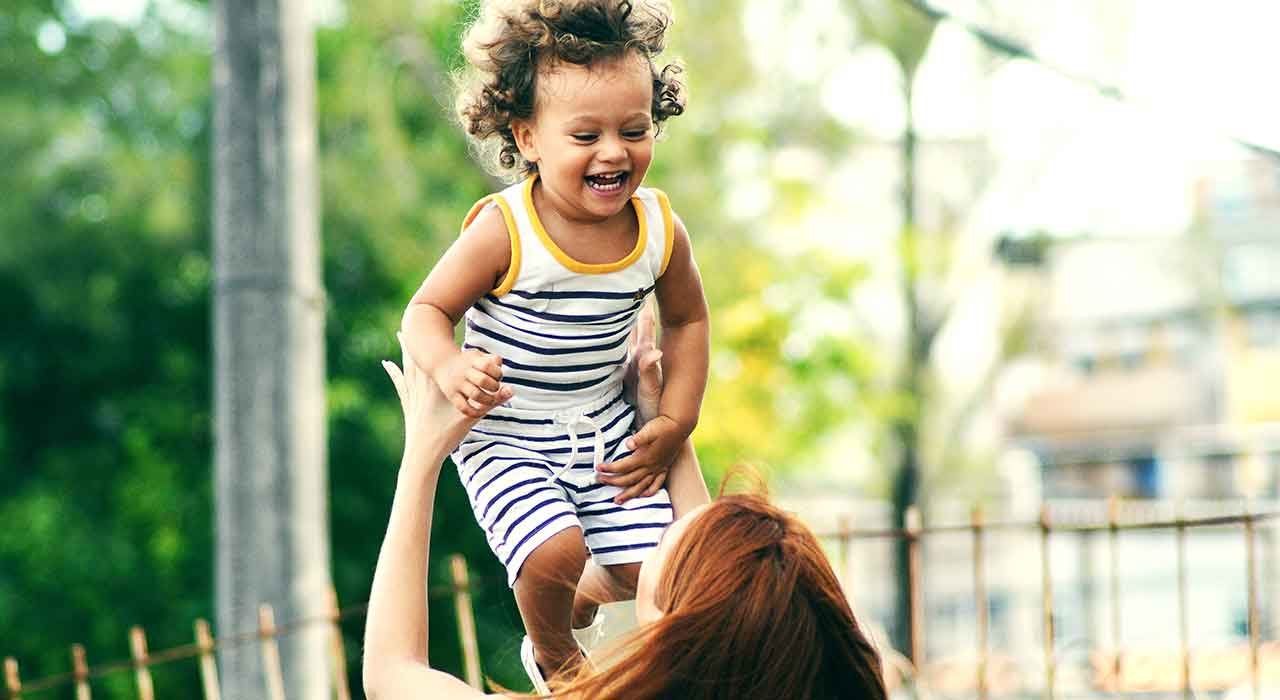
<point x="525" y="141"/>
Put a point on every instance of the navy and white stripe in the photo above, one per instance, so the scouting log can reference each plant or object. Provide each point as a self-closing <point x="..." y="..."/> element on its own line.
<point x="561" y="330"/>
<point x="506" y="477"/>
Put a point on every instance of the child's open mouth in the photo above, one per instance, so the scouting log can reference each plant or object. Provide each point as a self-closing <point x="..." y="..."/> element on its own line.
<point x="607" y="183"/>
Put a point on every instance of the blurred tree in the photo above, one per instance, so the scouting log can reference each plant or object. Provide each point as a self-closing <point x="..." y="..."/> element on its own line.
<point x="271" y="490"/>
<point x="917" y="418"/>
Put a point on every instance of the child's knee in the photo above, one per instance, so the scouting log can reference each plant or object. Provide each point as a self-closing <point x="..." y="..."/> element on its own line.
<point x="559" y="560"/>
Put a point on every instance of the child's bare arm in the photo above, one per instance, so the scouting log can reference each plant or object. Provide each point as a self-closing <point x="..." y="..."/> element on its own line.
<point x="685" y="351"/>
<point x="474" y="265"/>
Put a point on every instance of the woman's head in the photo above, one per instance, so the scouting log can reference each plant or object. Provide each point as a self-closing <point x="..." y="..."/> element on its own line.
<point x="529" y="54"/>
<point x="741" y="602"/>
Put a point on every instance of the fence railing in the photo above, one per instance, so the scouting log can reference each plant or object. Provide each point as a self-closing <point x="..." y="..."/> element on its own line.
<point x="461" y="587"/>
<point x="978" y="528"/>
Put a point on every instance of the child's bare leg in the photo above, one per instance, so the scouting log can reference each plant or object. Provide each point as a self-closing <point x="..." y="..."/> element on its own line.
<point x="544" y="592"/>
<point x="603" y="584"/>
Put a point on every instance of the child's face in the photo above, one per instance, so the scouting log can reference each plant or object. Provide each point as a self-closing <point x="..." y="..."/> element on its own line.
<point x="591" y="135"/>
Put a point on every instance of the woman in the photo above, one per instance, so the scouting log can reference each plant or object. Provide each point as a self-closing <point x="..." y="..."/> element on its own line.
<point x="737" y="601"/>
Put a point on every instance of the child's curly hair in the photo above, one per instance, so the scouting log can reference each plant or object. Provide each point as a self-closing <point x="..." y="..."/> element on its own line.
<point x="512" y="40"/>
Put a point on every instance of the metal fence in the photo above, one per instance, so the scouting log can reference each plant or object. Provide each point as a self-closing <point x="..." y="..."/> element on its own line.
<point x="912" y="666"/>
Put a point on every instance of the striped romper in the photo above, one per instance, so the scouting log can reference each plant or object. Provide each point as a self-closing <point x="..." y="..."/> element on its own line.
<point x="561" y="329"/>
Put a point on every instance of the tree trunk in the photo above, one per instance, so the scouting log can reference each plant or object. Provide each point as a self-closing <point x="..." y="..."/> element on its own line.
<point x="269" y="402"/>
<point x="906" y="429"/>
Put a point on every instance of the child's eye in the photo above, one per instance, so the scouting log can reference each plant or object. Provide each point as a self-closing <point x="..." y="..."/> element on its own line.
<point x="635" y="133"/>
<point x="583" y="138"/>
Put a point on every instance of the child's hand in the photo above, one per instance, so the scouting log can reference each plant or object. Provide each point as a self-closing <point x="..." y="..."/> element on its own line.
<point x="471" y="380"/>
<point x="644" y="471"/>
<point x="427" y="415"/>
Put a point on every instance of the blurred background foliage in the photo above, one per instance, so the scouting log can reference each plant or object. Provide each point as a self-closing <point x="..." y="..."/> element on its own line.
<point x="105" y="367"/>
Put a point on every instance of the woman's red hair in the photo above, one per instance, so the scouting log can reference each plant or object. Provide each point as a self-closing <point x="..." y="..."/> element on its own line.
<point x="751" y="611"/>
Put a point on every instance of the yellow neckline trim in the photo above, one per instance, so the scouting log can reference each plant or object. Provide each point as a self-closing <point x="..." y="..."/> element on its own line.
<point x="513" y="269"/>
<point x="577" y="266"/>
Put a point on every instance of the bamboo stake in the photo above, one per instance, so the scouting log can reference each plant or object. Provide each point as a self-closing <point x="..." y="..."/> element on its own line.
<point x="1113" y="542"/>
<point x="337" y="650"/>
<point x="466" y="620"/>
<point x="1184" y="626"/>
<point x="11" y="681"/>
<point x="208" y="665"/>
<point x="1046" y="598"/>
<point x="916" y="598"/>
<point x="141" y="672"/>
<point x="270" y="653"/>
<point x="980" y="599"/>
<point x="80" y="670"/>
<point x="1251" y="557"/>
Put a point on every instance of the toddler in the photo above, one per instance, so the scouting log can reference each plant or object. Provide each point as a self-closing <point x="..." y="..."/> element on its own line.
<point x="550" y="275"/>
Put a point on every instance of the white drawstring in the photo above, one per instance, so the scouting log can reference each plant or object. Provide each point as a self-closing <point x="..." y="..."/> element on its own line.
<point x="570" y="420"/>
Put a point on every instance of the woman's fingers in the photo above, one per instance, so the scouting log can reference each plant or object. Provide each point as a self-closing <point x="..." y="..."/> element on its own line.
<point x="397" y="378"/>
<point x="645" y="331"/>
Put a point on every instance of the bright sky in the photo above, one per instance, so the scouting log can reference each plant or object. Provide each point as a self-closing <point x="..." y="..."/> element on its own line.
<point x="1072" y="161"/>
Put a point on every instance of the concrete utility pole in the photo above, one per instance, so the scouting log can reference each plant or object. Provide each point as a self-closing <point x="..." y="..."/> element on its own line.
<point x="269" y="403"/>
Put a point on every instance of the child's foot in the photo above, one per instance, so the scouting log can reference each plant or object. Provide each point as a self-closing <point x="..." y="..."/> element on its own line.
<point x="531" y="667"/>
<point x="589" y="637"/>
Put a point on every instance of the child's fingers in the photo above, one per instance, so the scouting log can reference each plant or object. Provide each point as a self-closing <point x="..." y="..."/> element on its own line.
<point x="658" y="480"/>
<point x="621" y="466"/>
<point x="644" y="436"/>
<point x="499" y="397"/>
<point x="630" y="478"/>
<point x="482" y="380"/>
<point x="488" y="364"/>
<point x="634" y="491"/>
<point x="487" y="399"/>
<point x="461" y="403"/>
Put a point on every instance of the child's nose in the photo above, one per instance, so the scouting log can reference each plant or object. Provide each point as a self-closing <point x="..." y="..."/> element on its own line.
<point x="612" y="149"/>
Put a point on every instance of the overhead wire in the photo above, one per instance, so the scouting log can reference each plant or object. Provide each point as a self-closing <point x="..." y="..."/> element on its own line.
<point x="1015" y="48"/>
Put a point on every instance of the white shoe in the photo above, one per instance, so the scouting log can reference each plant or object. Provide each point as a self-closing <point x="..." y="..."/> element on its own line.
<point x="531" y="667"/>
<point x="589" y="637"/>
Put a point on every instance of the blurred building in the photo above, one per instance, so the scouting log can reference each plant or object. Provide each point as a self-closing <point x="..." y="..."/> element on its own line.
<point x="1164" y="353"/>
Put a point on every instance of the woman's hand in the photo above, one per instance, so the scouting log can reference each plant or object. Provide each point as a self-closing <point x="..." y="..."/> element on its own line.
<point x="642" y="383"/>
<point x="431" y="422"/>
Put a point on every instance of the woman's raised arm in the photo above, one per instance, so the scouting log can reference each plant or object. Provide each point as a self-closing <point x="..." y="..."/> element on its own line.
<point x="395" y="640"/>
